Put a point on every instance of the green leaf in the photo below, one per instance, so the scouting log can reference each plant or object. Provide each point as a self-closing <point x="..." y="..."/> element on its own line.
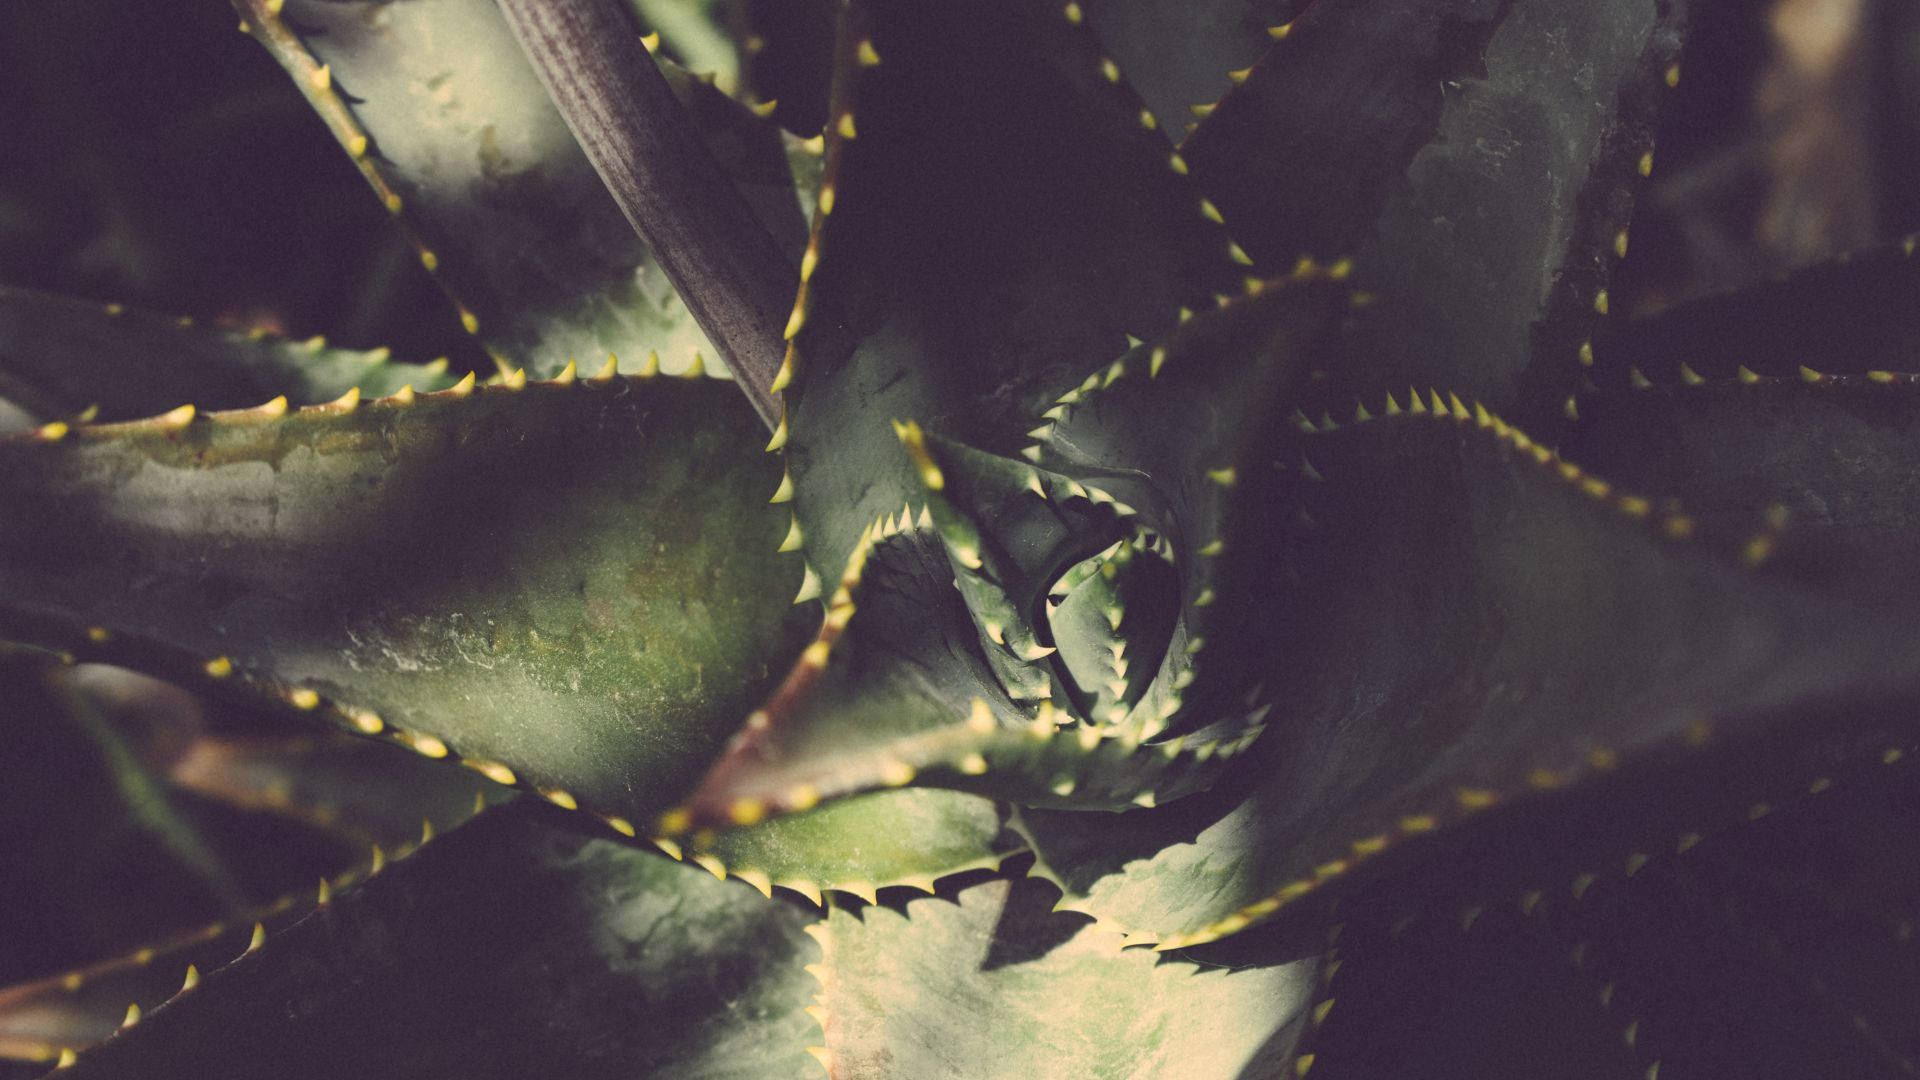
<point x="793" y="66"/>
<point x="912" y="837"/>
<point x="1762" y="938"/>
<point x="572" y="584"/>
<point x="125" y="874"/>
<point x="1846" y="317"/>
<point x="510" y="948"/>
<point x="1837" y="462"/>
<point x="989" y="239"/>
<point x="896" y="690"/>
<point x="1472" y="157"/>
<point x="991" y="983"/>
<point x="1178" y="53"/>
<point x="86" y="1005"/>
<point x="450" y="125"/>
<point x="1182" y="433"/>
<point x="59" y="356"/>
<point x="362" y="792"/>
<point x="1467" y="623"/>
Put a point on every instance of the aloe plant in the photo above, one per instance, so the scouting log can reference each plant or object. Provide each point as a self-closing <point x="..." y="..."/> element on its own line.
<point x="1230" y="604"/>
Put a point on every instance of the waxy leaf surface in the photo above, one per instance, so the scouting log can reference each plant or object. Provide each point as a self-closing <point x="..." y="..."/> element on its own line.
<point x="509" y="948"/>
<point x="576" y="581"/>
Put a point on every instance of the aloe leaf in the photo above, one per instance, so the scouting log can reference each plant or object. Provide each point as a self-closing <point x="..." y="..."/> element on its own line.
<point x="1179" y="55"/>
<point x="594" y="958"/>
<point x="127" y="876"/>
<point x="1773" y="945"/>
<point x="59" y="357"/>
<point x="45" y="1018"/>
<point x="357" y="792"/>
<point x="1849" y="316"/>
<point x="114" y="856"/>
<point x="690" y="30"/>
<point x="985" y="241"/>
<point x="362" y="792"/>
<point x="789" y="58"/>
<point x="912" y="837"/>
<point x="913" y="690"/>
<point x="444" y="116"/>
<point x="1473" y="158"/>
<point x="1833" y="460"/>
<point x="1182" y="433"/>
<point x="1469" y="623"/>
<point x="992" y="983"/>
<point x="897" y="691"/>
<point x="570" y="585"/>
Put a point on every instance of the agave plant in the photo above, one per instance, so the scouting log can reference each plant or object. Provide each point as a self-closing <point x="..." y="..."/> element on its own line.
<point x="1225" y="607"/>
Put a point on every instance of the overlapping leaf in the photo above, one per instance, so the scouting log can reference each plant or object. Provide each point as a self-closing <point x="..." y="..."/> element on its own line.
<point x="905" y="695"/>
<point x="1766" y="936"/>
<point x="572" y="585"/>
<point x="1846" y="317"/>
<point x="1473" y="158"/>
<point x="59" y="357"/>
<point x="987" y="239"/>
<point x="991" y="983"/>
<point x="1184" y="431"/>
<point x="1468" y="624"/>
<point x="507" y="949"/>
<point x="1183" y="54"/>
<point x="453" y="129"/>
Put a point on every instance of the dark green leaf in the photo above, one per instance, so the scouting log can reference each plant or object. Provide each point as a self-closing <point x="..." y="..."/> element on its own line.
<point x="1182" y="432"/>
<point x="1767" y="936"/>
<point x="509" y="949"/>
<point x="1465" y="625"/>
<point x="991" y="983"/>
<point x="897" y="691"/>
<point x="1473" y="157"/>
<point x="990" y="239"/>
<point x="60" y="356"/>
<point x="1840" y="459"/>
<point x="1180" y="53"/>
<point x="911" y="837"/>
<point x="453" y="129"/>
<point x="365" y="793"/>
<point x="793" y="65"/>
<point x="574" y="580"/>
<point x="1847" y="317"/>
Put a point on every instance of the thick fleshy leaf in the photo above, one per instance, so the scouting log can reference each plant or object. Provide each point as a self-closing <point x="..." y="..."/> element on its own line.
<point x="103" y="854"/>
<point x="1838" y="458"/>
<point x="123" y="877"/>
<point x="59" y="357"/>
<point x="897" y="691"/>
<point x="84" y="1006"/>
<point x="572" y="584"/>
<point x="992" y="983"/>
<point x="363" y="792"/>
<point x="1768" y="939"/>
<point x="1472" y="157"/>
<point x="911" y="837"/>
<point x="1179" y="53"/>
<point x="448" y="122"/>
<point x="1847" y="317"/>
<point x="511" y="948"/>
<point x="360" y="793"/>
<point x="986" y="241"/>
<point x="1469" y="623"/>
<point x="1182" y="432"/>
<point x="789" y="58"/>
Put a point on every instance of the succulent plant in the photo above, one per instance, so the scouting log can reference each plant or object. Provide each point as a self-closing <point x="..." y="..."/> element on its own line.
<point x="1225" y="608"/>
